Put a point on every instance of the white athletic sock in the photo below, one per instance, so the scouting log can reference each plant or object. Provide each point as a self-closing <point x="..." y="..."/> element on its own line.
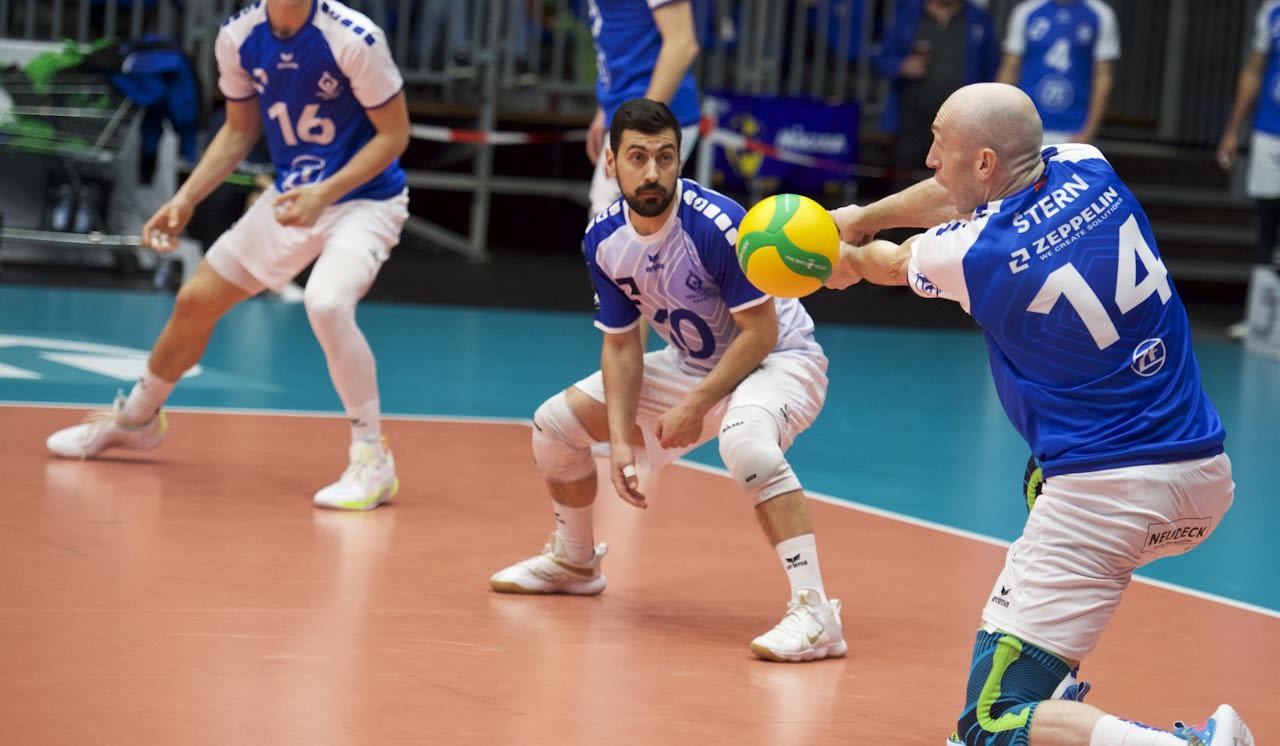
<point x="146" y="398"/>
<point x="1112" y="731"/>
<point x="799" y="557"/>
<point x="366" y="422"/>
<point x="574" y="527"/>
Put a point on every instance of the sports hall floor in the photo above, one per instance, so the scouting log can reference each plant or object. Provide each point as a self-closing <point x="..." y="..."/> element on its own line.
<point x="191" y="595"/>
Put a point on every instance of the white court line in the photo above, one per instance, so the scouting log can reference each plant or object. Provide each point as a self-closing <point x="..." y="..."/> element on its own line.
<point x="829" y="499"/>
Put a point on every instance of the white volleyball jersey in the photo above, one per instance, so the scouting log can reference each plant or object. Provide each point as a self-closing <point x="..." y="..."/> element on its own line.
<point x="685" y="278"/>
<point x="312" y="89"/>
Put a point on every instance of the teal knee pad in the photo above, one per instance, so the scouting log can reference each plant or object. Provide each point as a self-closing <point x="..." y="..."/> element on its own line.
<point x="1007" y="679"/>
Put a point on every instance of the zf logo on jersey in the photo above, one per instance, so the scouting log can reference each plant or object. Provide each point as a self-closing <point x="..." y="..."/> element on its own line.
<point x="260" y="80"/>
<point x="1149" y="357"/>
<point x="304" y="170"/>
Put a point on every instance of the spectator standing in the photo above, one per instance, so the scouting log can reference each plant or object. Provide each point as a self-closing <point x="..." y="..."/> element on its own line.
<point x="932" y="48"/>
<point x="1062" y="54"/>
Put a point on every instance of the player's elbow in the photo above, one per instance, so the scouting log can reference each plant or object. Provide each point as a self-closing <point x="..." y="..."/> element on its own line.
<point x="689" y="50"/>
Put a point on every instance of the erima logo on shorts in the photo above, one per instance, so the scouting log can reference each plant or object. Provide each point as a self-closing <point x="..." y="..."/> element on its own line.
<point x="1188" y="532"/>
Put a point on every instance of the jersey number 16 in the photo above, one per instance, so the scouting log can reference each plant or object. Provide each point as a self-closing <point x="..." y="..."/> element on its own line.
<point x="310" y="128"/>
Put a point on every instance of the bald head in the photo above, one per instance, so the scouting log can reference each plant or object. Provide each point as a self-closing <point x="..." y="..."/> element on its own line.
<point x="986" y="143"/>
<point x="996" y="116"/>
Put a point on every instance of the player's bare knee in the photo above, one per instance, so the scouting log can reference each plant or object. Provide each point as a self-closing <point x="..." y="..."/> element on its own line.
<point x="561" y="444"/>
<point x="750" y="450"/>
<point x="194" y="303"/>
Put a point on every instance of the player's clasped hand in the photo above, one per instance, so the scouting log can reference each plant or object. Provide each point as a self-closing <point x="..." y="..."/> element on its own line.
<point x="300" y="207"/>
<point x="680" y="426"/>
<point x="852" y="230"/>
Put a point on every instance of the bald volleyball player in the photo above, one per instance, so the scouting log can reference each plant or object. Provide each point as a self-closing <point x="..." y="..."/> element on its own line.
<point x="1091" y="356"/>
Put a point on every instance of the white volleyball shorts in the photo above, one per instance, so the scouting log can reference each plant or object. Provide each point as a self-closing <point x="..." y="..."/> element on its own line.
<point x="272" y="254"/>
<point x="1063" y="578"/>
<point x="1264" y="166"/>
<point x="792" y="386"/>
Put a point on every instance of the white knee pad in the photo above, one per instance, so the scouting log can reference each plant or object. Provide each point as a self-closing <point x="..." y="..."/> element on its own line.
<point x="561" y="445"/>
<point x="750" y="451"/>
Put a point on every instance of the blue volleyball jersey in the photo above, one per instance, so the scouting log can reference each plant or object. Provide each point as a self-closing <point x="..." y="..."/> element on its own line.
<point x="1087" y="339"/>
<point x="1266" y="40"/>
<point x="627" y="45"/>
<point x="1059" y="42"/>
<point x="312" y="89"/>
<point x="685" y="278"/>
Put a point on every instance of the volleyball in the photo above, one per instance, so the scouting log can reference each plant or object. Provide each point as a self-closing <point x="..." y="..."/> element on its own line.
<point x="787" y="245"/>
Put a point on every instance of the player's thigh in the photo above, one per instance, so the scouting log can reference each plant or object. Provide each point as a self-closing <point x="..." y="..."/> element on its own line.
<point x="356" y="238"/>
<point x="592" y="413"/>
<point x="258" y="247"/>
<point x="665" y="385"/>
<point x="1064" y="577"/>
<point x="792" y="386"/>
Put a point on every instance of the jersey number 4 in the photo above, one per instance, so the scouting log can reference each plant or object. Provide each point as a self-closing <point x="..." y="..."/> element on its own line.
<point x="309" y="128"/>
<point x="1067" y="282"/>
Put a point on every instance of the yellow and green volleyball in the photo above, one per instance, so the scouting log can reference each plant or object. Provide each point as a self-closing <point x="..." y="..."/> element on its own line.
<point x="788" y="245"/>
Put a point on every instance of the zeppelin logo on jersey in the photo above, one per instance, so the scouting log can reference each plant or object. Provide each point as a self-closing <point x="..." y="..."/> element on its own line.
<point x="287" y="62"/>
<point x="925" y="286"/>
<point x="1149" y="357"/>
<point x="329" y="87"/>
<point x="1185" y="532"/>
<point x="1020" y="260"/>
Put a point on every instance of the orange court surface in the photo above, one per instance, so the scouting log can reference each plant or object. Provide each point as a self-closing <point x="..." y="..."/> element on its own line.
<point x="192" y="596"/>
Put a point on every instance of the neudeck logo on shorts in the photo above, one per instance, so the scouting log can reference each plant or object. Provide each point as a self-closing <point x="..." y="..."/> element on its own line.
<point x="1186" y="532"/>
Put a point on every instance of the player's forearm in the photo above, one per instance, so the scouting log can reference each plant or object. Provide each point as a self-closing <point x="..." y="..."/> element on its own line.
<point x="921" y="205"/>
<point x="228" y="148"/>
<point x="1010" y="67"/>
<point x="368" y="162"/>
<point x="672" y="64"/>
<point x="679" y="50"/>
<point x="1098" y="99"/>
<point x="622" y="366"/>
<point x="880" y="262"/>
<point x="1247" y="88"/>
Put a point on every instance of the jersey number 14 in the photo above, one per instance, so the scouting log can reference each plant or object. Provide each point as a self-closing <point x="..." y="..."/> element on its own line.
<point x="1067" y="282"/>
